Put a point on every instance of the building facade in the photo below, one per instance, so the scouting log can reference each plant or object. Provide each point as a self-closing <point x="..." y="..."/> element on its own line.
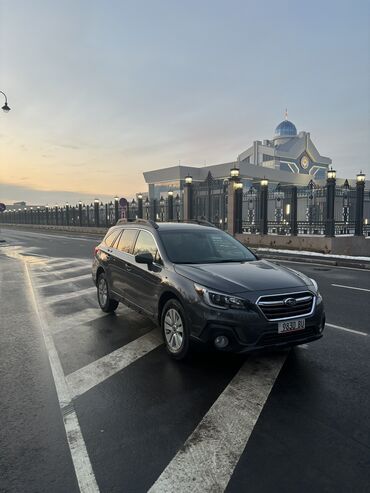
<point x="289" y="158"/>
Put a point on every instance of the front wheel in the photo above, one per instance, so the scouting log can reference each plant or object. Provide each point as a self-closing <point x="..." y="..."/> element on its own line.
<point x="106" y="303"/>
<point x="175" y="330"/>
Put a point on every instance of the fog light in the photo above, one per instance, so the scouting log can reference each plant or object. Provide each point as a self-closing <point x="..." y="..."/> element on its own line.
<point x="221" y="342"/>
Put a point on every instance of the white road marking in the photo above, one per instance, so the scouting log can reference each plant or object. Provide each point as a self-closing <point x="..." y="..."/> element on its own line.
<point x="65" y="281"/>
<point x="82" y="317"/>
<point x="345" y="329"/>
<point x="350" y="287"/>
<point x="81" y="461"/>
<point x="70" y="295"/>
<point x="57" y="272"/>
<point x="207" y="460"/>
<point x="100" y="370"/>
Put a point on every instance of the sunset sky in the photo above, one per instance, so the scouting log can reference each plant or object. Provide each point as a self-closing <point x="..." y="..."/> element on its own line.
<point x="101" y="91"/>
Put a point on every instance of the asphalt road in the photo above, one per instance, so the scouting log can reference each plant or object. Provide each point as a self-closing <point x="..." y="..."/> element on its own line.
<point x="91" y="402"/>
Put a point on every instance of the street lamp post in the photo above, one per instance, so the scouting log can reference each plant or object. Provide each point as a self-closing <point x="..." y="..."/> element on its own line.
<point x="5" y="108"/>
<point x="360" y="188"/>
<point x="116" y="212"/>
<point x="330" y="201"/>
<point x="170" y="206"/>
<point x="140" y="206"/>
<point x="80" y="213"/>
<point x="96" y="212"/>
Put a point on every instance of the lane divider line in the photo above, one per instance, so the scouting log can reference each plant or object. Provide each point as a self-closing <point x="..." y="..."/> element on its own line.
<point x="100" y="370"/>
<point x="80" y="457"/>
<point x="350" y="287"/>
<point x="207" y="460"/>
<point x="346" y="330"/>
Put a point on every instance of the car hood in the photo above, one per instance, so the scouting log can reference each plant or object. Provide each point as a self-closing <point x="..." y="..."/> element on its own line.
<point x="235" y="277"/>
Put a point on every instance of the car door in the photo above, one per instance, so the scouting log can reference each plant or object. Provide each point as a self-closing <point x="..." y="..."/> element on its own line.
<point x="145" y="281"/>
<point x="105" y="250"/>
<point x="120" y="258"/>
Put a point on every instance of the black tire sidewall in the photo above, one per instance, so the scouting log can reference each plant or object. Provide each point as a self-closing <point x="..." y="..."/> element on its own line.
<point x="173" y="303"/>
<point x="110" y="304"/>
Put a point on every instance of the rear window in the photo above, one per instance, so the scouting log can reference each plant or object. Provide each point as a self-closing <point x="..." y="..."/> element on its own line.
<point x="126" y="242"/>
<point x="110" y="237"/>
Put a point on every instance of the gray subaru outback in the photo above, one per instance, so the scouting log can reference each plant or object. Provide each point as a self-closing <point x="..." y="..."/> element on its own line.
<point x="201" y="285"/>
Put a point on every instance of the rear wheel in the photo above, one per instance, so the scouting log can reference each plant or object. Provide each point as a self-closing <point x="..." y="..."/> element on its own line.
<point x="175" y="329"/>
<point x="106" y="303"/>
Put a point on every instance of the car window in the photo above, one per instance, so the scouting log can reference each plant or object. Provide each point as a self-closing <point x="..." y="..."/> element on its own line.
<point x="110" y="237"/>
<point x="145" y="243"/>
<point x="203" y="246"/>
<point x="126" y="242"/>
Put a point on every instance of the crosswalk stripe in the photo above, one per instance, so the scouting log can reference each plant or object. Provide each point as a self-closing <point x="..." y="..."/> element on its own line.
<point x="207" y="460"/>
<point x="58" y="272"/>
<point x="100" y="370"/>
<point x="65" y="281"/>
<point x="68" y="296"/>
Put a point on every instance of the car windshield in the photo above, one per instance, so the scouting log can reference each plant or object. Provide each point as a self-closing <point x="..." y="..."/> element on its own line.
<point x="203" y="246"/>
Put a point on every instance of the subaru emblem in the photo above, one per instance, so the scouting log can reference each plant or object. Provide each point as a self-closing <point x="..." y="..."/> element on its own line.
<point x="290" y="301"/>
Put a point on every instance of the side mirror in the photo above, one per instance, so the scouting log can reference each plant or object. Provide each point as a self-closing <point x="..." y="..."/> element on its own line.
<point x="144" y="258"/>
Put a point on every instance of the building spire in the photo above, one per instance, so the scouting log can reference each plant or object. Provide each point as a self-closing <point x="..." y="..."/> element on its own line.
<point x="286" y="113"/>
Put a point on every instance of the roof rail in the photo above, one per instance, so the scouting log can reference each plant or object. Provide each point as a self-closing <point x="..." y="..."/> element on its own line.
<point x="148" y="222"/>
<point x="201" y="222"/>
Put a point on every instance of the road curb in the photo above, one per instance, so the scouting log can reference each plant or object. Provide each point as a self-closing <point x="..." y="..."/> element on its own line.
<point x="331" y="261"/>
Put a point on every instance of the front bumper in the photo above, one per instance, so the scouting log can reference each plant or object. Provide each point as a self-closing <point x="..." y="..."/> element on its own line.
<point x="249" y="330"/>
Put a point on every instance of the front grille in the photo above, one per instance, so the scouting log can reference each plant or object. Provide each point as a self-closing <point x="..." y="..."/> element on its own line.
<point x="289" y="305"/>
<point x="275" y="338"/>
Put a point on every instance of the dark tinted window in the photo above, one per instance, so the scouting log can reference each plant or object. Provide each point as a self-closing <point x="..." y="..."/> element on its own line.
<point x="126" y="242"/>
<point x="110" y="237"/>
<point x="145" y="243"/>
<point x="203" y="246"/>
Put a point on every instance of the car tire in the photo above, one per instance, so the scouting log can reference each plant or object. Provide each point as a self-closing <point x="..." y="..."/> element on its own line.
<point x="175" y="330"/>
<point x="106" y="303"/>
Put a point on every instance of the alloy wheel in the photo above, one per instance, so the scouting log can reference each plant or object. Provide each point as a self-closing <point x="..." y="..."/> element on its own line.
<point x="173" y="330"/>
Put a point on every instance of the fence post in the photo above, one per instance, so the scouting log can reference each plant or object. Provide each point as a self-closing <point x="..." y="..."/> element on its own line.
<point x="96" y="213"/>
<point x="233" y="202"/>
<point x="330" y="198"/>
<point x="293" y="212"/>
<point x="188" y="198"/>
<point x="238" y="207"/>
<point x="140" y="206"/>
<point x="116" y="212"/>
<point x="80" y="213"/>
<point x="264" y="188"/>
<point x="360" y="188"/>
<point x="170" y="206"/>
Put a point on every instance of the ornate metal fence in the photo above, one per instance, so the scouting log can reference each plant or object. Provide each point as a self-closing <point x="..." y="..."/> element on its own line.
<point x="209" y="201"/>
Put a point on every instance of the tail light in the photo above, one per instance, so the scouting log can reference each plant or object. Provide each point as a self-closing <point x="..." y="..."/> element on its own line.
<point x="96" y="250"/>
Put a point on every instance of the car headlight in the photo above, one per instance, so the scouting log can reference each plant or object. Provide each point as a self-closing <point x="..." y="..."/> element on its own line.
<point x="219" y="300"/>
<point x="317" y="292"/>
<point x="314" y="284"/>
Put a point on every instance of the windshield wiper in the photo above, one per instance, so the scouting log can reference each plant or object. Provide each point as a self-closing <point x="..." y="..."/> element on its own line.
<point x="229" y="260"/>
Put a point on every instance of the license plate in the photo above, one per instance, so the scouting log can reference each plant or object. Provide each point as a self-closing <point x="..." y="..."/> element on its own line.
<point x="291" y="325"/>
